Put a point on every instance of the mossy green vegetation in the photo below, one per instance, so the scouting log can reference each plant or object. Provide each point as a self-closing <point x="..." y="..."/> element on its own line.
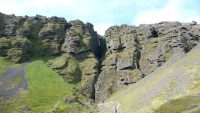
<point x="4" y="43"/>
<point x="53" y="28"/>
<point x="162" y="98"/>
<point x="37" y="48"/>
<point x="24" y="30"/>
<point x="15" y="54"/>
<point x="19" y="42"/>
<point x="88" y="66"/>
<point x="178" y="105"/>
<point x="46" y="88"/>
<point x="47" y="91"/>
<point x="68" y="67"/>
<point x="4" y="64"/>
<point x="15" y="49"/>
<point x="29" y="29"/>
<point x="59" y="62"/>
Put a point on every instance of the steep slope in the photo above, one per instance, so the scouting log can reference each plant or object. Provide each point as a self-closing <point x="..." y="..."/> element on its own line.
<point x="177" y="78"/>
<point x="45" y="91"/>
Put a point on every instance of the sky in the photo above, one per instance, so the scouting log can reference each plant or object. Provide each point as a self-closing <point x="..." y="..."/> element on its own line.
<point x="105" y="13"/>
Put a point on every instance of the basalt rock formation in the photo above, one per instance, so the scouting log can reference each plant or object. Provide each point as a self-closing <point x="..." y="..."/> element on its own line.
<point x="22" y="37"/>
<point x="101" y="64"/>
<point x="134" y="52"/>
<point x="79" y="62"/>
<point x="75" y="44"/>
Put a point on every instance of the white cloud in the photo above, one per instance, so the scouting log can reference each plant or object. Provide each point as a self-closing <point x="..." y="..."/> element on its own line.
<point x="101" y="28"/>
<point x="173" y="11"/>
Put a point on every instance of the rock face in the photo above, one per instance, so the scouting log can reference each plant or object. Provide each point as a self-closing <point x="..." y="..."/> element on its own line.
<point x="76" y="43"/>
<point x="134" y="52"/>
<point x="121" y="64"/>
<point x="79" y="60"/>
<point x="30" y="36"/>
<point x="80" y="38"/>
<point x="52" y="35"/>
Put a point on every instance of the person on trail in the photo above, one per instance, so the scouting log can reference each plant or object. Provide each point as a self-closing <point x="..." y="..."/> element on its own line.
<point x="117" y="110"/>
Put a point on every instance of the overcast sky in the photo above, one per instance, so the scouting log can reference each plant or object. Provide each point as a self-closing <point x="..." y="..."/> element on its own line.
<point x="104" y="13"/>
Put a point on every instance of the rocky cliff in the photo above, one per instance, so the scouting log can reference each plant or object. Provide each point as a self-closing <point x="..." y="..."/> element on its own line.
<point x="22" y="37"/>
<point x="101" y="64"/>
<point x="79" y="60"/>
<point x="76" y="43"/>
<point x="134" y="52"/>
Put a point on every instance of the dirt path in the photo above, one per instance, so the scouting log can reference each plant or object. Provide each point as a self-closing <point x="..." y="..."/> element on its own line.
<point x="115" y="105"/>
<point x="12" y="81"/>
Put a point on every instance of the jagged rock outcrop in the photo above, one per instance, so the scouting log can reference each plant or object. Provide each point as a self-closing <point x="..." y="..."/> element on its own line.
<point x="80" y="37"/>
<point x="52" y="35"/>
<point x="34" y="36"/>
<point x="14" y="49"/>
<point x="121" y="61"/>
<point x="134" y="52"/>
<point x="79" y="61"/>
<point x="78" y="44"/>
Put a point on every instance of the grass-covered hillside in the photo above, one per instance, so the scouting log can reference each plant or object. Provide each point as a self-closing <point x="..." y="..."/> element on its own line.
<point x="172" y="88"/>
<point x="46" y="92"/>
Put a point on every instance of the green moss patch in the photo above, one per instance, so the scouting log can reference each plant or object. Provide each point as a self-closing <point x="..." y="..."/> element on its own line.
<point x="4" y="43"/>
<point x="4" y="64"/>
<point x="47" y="90"/>
<point x="178" y="105"/>
<point x="67" y="67"/>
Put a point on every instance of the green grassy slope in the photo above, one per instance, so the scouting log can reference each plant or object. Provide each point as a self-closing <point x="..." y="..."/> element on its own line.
<point x="46" y="92"/>
<point x="178" y="78"/>
<point x="189" y="104"/>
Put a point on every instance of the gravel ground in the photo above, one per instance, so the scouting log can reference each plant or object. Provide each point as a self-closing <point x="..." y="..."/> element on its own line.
<point x="12" y="81"/>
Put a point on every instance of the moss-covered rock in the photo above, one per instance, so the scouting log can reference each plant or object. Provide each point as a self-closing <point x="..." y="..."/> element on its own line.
<point x="82" y="69"/>
<point x="4" y="46"/>
<point x="52" y="35"/>
<point x="15" y="54"/>
<point x="15" y="49"/>
<point x="2" y="23"/>
<point x="122" y="59"/>
<point x="89" y="71"/>
<point x="135" y="52"/>
<point x="46" y="35"/>
<point x="67" y="67"/>
<point x="80" y="37"/>
<point x="82" y="44"/>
